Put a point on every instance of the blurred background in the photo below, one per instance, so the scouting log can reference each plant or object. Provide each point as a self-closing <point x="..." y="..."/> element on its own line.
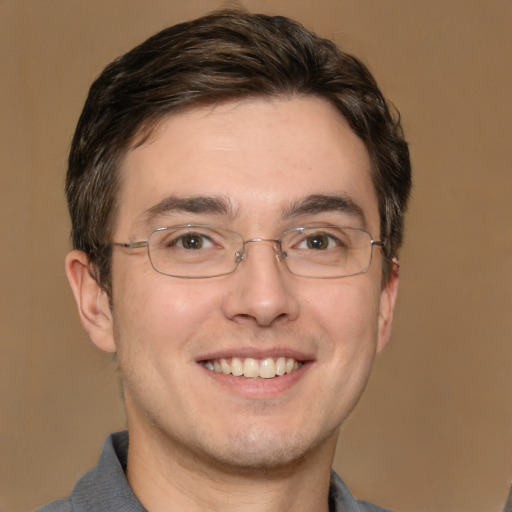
<point x="433" y="433"/>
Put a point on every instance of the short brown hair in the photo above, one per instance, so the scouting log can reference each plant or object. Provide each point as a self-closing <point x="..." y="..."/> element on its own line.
<point x="226" y="55"/>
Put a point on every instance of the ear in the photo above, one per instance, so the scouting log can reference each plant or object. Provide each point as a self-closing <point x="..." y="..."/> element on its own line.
<point x="92" y="301"/>
<point x="387" y="306"/>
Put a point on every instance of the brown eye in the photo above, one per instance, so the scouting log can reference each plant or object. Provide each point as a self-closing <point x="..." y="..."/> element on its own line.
<point x="318" y="242"/>
<point x="191" y="241"/>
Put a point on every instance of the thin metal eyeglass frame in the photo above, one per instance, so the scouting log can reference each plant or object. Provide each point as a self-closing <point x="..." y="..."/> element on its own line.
<point x="240" y="255"/>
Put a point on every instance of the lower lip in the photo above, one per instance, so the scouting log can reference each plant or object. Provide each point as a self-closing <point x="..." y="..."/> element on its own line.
<point x="258" y="388"/>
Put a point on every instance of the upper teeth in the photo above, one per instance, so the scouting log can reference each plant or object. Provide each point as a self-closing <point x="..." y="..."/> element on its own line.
<point x="265" y="368"/>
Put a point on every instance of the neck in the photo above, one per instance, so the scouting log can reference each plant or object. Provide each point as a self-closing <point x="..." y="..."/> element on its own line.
<point x="166" y="478"/>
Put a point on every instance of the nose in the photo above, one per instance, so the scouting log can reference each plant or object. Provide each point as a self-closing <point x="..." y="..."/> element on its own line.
<point x="261" y="290"/>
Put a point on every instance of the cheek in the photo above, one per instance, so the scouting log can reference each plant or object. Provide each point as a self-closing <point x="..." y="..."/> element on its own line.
<point x="348" y="315"/>
<point x="157" y="313"/>
<point x="349" y="306"/>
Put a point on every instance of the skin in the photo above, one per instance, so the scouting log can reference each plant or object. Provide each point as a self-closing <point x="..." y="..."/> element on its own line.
<point x="246" y="444"/>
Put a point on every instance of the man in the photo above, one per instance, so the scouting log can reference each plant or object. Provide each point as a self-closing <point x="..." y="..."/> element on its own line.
<point x="236" y="187"/>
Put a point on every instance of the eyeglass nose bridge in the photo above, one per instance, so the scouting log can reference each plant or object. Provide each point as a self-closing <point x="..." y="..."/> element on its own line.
<point x="280" y="254"/>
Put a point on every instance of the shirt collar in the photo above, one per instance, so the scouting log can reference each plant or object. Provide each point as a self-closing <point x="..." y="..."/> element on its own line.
<point x="106" y="488"/>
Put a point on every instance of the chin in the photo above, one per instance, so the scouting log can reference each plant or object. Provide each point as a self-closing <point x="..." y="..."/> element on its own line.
<point x="260" y="451"/>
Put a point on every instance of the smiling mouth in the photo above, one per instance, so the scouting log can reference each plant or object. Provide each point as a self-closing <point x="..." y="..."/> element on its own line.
<point x="248" y="367"/>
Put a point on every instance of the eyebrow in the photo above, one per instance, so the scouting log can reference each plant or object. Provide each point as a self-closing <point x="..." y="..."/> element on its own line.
<point x="194" y="204"/>
<point x="222" y="206"/>
<point x="320" y="203"/>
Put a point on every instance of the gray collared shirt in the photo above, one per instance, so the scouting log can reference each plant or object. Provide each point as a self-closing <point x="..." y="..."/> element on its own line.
<point x="508" y="505"/>
<point x="106" y="489"/>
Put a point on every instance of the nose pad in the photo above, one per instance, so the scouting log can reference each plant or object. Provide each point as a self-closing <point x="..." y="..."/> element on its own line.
<point x="279" y="253"/>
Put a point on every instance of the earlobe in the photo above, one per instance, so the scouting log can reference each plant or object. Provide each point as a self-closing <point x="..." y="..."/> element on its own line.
<point x="92" y="301"/>
<point x="387" y="306"/>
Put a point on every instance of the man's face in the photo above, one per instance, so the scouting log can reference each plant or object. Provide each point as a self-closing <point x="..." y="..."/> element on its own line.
<point x="261" y="158"/>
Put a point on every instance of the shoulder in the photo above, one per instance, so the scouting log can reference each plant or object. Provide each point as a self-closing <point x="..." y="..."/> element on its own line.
<point x="342" y="500"/>
<point x="508" y="504"/>
<point x="62" y="505"/>
<point x="366" y="506"/>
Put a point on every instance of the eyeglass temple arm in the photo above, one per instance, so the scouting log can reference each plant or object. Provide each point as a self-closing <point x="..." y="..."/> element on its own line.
<point x="394" y="259"/>
<point x="131" y="245"/>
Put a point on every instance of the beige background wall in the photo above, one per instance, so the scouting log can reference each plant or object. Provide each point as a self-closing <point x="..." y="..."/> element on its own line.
<point x="434" y="431"/>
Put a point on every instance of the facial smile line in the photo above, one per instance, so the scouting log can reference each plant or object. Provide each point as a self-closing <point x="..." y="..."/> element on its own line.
<point x="249" y="367"/>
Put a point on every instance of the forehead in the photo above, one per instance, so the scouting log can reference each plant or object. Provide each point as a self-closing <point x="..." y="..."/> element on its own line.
<point x="260" y="156"/>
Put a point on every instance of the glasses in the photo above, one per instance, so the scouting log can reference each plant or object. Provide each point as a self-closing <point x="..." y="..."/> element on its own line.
<point x="197" y="251"/>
